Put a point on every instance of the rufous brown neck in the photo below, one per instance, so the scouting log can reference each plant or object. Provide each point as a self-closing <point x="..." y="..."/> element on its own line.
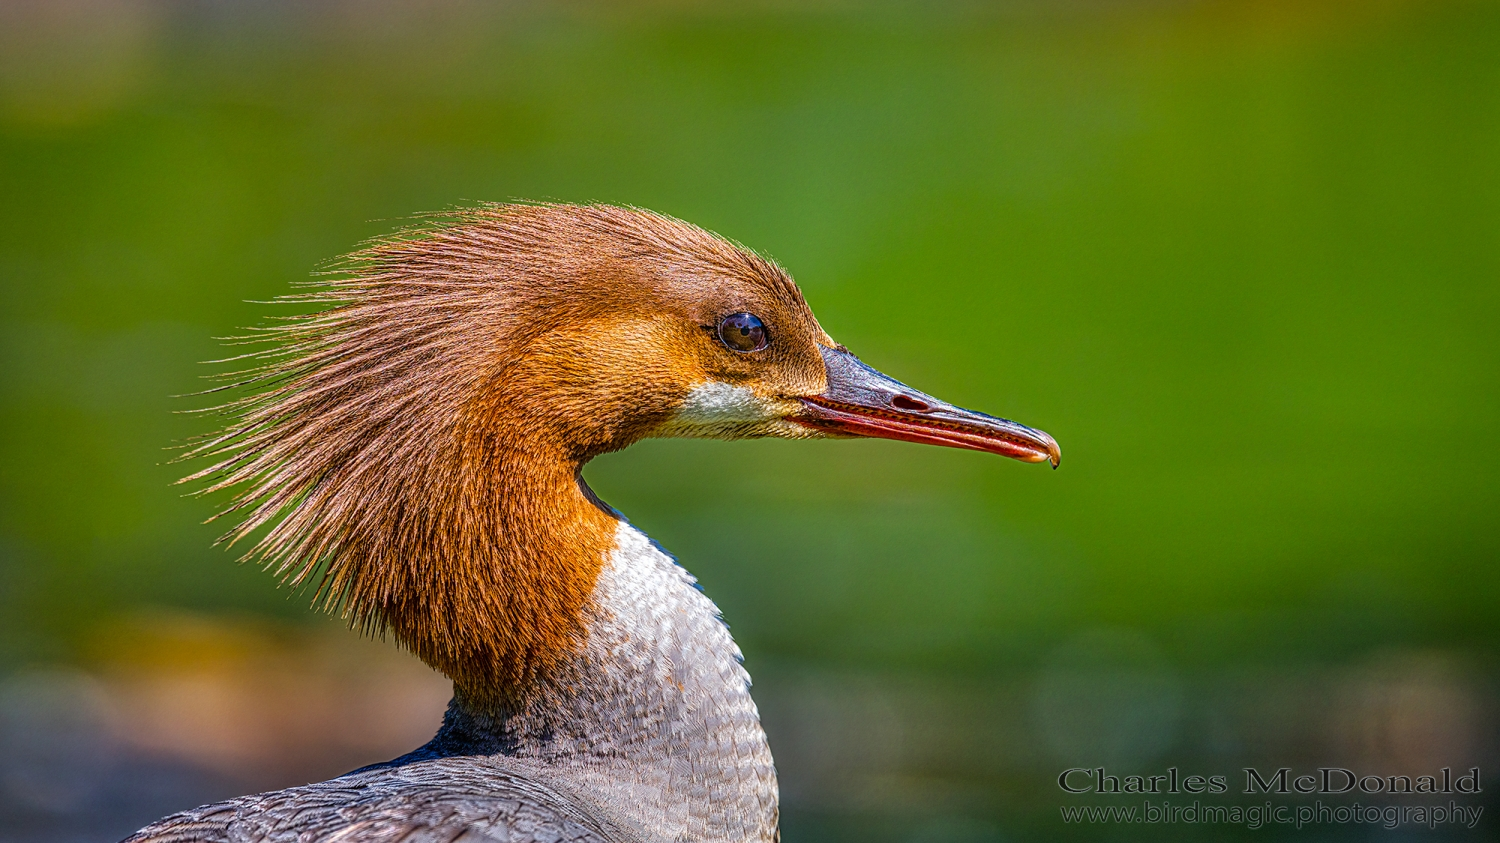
<point x="488" y="578"/>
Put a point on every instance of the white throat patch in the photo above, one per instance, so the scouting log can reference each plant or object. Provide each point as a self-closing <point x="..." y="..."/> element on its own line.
<point x="716" y="402"/>
<point x="719" y="410"/>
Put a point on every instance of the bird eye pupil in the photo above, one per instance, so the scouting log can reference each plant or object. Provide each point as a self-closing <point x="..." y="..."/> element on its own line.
<point x="743" y="332"/>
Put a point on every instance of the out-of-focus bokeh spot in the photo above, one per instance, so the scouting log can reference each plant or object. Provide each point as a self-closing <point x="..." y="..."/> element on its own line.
<point x="169" y="710"/>
<point x="1237" y="256"/>
<point x="68" y="62"/>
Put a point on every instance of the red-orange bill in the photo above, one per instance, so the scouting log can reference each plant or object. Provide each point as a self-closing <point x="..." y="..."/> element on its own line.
<point x="860" y="401"/>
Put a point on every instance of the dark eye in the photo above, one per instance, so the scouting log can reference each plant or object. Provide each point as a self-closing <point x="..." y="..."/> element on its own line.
<point x="743" y="332"/>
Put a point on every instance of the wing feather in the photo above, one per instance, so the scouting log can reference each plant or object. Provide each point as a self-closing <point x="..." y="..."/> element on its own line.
<point x="447" y="800"/>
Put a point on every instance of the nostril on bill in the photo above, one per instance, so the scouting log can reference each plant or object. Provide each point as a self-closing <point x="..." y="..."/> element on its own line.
<point x="903" y="402"/>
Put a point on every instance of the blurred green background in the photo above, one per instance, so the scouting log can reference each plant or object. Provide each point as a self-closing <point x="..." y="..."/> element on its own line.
<point x="1240" y="258"/>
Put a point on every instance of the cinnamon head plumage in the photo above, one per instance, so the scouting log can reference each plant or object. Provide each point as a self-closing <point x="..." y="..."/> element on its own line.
<point x="383" y="443"/>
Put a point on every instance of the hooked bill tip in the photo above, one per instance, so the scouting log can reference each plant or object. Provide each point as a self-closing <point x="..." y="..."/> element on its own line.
<point x="1044" y="448"/>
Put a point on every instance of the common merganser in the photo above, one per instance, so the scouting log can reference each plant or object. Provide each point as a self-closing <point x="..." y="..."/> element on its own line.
<point x="415" y="447"/>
